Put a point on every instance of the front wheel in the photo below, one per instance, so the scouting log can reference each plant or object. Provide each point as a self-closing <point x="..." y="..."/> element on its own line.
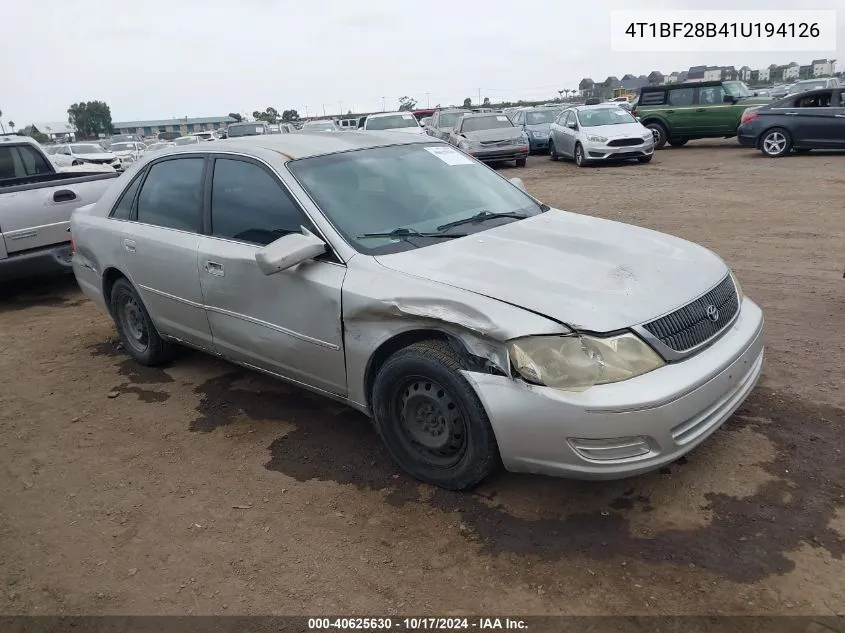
<point x="658" y="132"/>
<point x="521" y="162"/>
<point x="580" y="159"/>
<point x="775" y="143"/>
<point x="431" y="419"/>
<point x="553" y="155"/>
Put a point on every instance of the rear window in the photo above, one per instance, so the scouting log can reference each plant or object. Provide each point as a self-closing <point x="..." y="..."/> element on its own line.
<point x="246" y="129"/>
<point x="657" y="97"/>
<point x="492" y="122"/>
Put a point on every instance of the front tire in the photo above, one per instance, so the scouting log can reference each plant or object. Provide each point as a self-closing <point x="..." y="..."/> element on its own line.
<point x="580" y="159"/>
<point x="431" y="419"/>
<point x="135" y="328"/>
<point x="659" y="134"/>
<point x="553" y="155"/>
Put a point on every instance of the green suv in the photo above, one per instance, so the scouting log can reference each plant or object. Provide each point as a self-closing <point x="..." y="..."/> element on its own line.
<point x="678" y="113"/>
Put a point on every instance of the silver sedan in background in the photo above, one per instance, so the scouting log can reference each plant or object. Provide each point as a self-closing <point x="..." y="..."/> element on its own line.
<point x="606" y="132"/>
<point x="396" y="274"/>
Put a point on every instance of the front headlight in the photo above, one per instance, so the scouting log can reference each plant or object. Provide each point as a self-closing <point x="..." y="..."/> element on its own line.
<point x="597" y="139"/>
<point x="538" y="134"/>
<point x="577" y="362"/>
<point x="648" y="137"/>
<point x="739" y="294"/>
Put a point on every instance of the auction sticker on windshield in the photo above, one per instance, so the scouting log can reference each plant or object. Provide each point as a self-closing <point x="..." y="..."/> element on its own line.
<point x="408" y="116"/>
<point x="501" y="118"/>
<point x="449" y="156"/>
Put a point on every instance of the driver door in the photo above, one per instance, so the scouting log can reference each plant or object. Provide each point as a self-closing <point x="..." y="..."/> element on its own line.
<point x="288" y="323"/>
<point x="566" y="134"/>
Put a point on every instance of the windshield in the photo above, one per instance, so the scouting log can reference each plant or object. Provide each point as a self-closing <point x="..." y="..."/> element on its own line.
<point x="121" y="147"/>
<point x="450" y="119"/>
<point x="187" y="140"/>
<point x="319" y="127"/>
<point x="803" y="86"/>
<point x="537" y="117"/>
<point x="391" y="122"/>
<point x="417" y="186"/>
<point x="604" y="116"/>
<point x="491" y="122"/>
<point x="86" y="149"/>
<point x="737" y="89"/>
<point x="246" y="129"/>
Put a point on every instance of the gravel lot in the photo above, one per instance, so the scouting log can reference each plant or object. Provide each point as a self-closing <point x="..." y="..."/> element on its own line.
<point x="204" y="488"/>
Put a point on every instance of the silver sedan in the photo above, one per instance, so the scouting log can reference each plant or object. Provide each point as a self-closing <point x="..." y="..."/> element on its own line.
<point x="394" y="273"/>
<point x="606" y="132"/>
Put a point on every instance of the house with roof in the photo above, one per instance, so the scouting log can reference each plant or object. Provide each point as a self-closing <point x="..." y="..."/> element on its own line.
<point x="791" y="71"/>
<point x="824" y="67"/>
<point x="695" y="73"/>
<point x="55" y="131"/>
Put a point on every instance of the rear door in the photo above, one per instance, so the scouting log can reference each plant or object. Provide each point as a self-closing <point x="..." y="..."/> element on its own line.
<point x="160" y="243"/>
<point x="712" y="116"/>
<point x="288" y="323"/>
<point x="681" y="111"/>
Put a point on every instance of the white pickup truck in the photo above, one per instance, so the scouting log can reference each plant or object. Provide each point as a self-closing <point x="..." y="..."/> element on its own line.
<point x="36" y="201"/>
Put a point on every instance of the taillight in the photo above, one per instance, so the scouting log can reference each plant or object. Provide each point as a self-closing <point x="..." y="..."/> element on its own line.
<point x="72" y="246"/>
<point x="634" y="111"/>
<point x="747" y="117"/>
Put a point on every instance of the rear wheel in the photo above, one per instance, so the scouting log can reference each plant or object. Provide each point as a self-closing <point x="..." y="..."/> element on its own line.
<point x="678" y="142"/>
<point x="135" y="328"/>
<point x="659" y="134"/>
<point x="775" y="143"/>
<point x="431" y="419"/>
<point x="553" y="155"/>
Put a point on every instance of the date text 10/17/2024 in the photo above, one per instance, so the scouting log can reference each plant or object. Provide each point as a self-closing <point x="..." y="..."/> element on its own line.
<point x="417" y="624"/>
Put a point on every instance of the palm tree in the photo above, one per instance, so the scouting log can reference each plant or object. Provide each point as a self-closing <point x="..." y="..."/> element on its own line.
<point x="12" y="126"/>
<point x="1" y="122"/>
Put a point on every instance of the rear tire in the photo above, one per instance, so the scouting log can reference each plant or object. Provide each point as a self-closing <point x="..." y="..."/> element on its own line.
<point x="135" y="328"/>
<point x="775" y="143"/>
<point x="553" y="155"/>
<point x="431" y="419"/>
<point x="521" y="162"/>
<point x="659" y="134"/>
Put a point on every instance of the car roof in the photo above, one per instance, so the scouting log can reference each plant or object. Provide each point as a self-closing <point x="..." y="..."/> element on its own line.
<point x="307" y="144"/>
<point x="596" y="106"/>
<point x="685" y="84"/>
<point x="381" y="114"/>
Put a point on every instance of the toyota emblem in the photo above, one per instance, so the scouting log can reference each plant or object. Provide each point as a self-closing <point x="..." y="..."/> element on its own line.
<point x="712" y="312"/>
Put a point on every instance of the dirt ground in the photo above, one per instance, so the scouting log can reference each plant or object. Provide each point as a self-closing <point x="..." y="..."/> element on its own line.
<point x="204" y="488"/>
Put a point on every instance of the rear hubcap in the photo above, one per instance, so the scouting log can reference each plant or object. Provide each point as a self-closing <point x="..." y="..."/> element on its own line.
<point x="134" y="324"/>
<point x="774" y="143"/>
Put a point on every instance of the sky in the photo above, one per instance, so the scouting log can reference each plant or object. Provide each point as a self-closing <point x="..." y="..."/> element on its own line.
<point x="157" y="59"/>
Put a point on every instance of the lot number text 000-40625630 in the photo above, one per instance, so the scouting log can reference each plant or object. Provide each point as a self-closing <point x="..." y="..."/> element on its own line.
<point x="710" y="30"/>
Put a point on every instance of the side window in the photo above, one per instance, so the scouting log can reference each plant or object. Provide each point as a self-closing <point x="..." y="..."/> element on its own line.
<point x="821" y="100"/>
<point x="123" y="208"/>
<point x="711" y="95"/>
<point x="34" y="162"/>
<point x="250" y="205"/>
<point x="520" y="118"/>
<point x="680" y="96"/>
<point x="172" y="195"/>
<point x="654" y="97"/>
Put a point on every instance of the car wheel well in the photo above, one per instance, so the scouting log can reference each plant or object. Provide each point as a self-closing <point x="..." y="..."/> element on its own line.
<point x="110" y="276"/>
<point x="404" y="339"/>
<point x="762" y="134"/>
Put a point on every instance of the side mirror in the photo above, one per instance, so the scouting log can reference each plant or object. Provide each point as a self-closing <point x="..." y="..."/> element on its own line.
<point x="728" y="99"/>
<point x="517" y="182"/>
<point x="572" y="125"/>
<point x="288" y="251"/>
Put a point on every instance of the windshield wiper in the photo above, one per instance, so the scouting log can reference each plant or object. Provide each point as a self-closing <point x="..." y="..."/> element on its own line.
<point x="406" y="232"/>
<point x="481" y="217"/>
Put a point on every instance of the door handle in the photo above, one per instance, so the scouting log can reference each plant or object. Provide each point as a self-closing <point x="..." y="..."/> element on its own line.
<point x="670" y="112"/>
<point x="129" y="245"/>
<point x="213" y="268"/>
<point x="699" y="109"/>
<point x="64" y="195"/>
<point x="841" y="116"/>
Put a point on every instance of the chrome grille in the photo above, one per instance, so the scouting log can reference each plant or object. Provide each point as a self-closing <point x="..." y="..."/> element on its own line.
<point x="690" y="326"/>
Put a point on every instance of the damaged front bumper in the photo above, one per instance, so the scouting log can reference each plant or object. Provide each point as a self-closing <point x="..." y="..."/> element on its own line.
<point x="630" y="427"/>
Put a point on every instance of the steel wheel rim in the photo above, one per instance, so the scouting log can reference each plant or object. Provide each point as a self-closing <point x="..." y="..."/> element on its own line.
<point x="432" y="425"/>
<point x="134" y="324"/>
<point x="774" y="143"/>
<point x="579" y="155"/>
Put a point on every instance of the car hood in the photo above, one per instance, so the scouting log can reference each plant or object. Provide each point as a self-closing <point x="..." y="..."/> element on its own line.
<point x="407" y="130"/>
<point x="588" y="273"/>
<point x="538" y="127"/>
<point x="125" y="152"/>
<point x="497" y="134"/>
<point x="624" y="130"/>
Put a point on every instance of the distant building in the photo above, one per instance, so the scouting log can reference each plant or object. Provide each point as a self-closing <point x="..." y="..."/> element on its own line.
<point x="763" y="75"/>
<point x="695" y="73"/>
<point x="824" y="67"/>
<point x="56" y="131"/>
<point x="791" y="71"/>
<point x="744" y="73"/>
<point x="713" y="73"/>
<point x="805" y="71"/>
<point x="185" y="126"/>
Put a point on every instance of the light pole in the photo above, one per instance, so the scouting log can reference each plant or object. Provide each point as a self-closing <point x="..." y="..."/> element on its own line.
<point x="383" y="107"/>
<point x="427" y="100"/>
